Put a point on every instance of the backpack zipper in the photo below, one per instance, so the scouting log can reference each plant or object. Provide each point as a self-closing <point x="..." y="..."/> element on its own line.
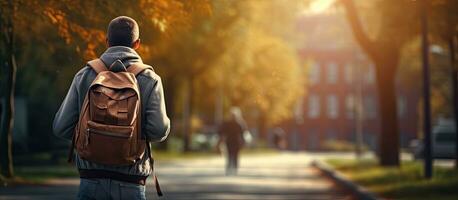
<point x="105" y="133"/>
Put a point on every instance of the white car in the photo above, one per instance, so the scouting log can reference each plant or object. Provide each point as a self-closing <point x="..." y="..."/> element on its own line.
<point x="443" y="141"/>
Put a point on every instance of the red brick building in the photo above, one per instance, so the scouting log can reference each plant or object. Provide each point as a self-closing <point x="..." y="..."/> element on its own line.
<point x="341" y="95"/>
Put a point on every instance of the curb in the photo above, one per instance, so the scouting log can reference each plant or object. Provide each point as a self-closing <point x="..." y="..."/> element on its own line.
<point x="358" y="191"/>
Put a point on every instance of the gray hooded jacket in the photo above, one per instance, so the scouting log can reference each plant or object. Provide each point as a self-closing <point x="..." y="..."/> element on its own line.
<point x="155" y="123"/>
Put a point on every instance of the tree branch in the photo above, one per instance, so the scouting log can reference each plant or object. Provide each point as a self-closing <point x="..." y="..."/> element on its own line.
<point x="358" y="32"/>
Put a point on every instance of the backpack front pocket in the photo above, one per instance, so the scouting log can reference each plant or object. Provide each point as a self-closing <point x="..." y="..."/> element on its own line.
<point x="113" y="106"/>
<point x="108" y="144"/>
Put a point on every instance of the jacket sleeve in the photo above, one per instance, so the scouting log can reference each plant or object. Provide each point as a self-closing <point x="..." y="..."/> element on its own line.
<point x="157" y="124"/>
<point x="67" y="116"/>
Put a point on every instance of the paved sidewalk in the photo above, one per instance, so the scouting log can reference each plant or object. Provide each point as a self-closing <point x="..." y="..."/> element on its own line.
<point x="284" y="176"/>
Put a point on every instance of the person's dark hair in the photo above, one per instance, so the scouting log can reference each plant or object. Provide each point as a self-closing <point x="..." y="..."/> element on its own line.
<point x="122" y="31"/>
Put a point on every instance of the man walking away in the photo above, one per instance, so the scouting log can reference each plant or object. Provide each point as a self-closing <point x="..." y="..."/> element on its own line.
<point x="113" y="110"/>
<point x="231" y="133"/>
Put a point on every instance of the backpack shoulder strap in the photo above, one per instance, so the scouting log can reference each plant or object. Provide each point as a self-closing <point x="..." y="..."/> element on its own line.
<point x="137" y="68"/>
<point x="97" y="65"/>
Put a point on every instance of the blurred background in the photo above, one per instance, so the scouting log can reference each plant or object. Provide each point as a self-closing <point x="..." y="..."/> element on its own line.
<point x="319" y="75"/>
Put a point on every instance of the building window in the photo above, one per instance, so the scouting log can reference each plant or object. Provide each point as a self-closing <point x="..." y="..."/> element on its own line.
<point x="332" y="73"/>
<point x="370" y="77"/>
<point x="402" y="106"/>
<point x="332" y="107"/>
<point x="349" y="73"/>
<point x="350" y="106"/>
<point x="370" y="107"/>
<point x="314" y="73"/>
<point x="314" y="106"/>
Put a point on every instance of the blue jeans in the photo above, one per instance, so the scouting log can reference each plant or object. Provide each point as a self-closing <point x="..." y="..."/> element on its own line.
<point x="101" y="189"/>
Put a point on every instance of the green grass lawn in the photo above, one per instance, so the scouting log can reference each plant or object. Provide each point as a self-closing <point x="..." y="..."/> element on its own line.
<point x="39" y="174"/>
<point x="34" y="173"/>
<point x="405" y="182"/>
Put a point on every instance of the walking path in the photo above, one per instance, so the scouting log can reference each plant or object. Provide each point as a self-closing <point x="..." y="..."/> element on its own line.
<point x="284" y="176"/>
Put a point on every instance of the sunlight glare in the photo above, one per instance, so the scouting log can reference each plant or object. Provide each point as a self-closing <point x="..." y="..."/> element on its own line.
<point x="319" y="6"/>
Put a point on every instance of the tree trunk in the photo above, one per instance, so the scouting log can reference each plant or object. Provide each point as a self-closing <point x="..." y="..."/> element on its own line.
<point x="385" y="54"/>
<point x="454" y="74"/>
<point x="219" y="106"/>
<point x="6" y="157"/>
<point x="389" y="132"/>
<point x="170" y="94"/>
<point x="187" y="113"/>
<point x="262" y="127"/>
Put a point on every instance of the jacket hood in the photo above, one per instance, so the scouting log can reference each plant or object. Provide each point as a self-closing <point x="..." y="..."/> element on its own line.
<point x="124" y="54"/>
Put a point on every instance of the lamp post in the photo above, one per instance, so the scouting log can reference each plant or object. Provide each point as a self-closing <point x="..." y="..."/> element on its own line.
<point x="359" y="109"/>
<point x="428" y="161"/>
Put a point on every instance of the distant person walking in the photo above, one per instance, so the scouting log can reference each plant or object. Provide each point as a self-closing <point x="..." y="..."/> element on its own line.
<point x="231" y="134"/>
<point x="113" y="110"/>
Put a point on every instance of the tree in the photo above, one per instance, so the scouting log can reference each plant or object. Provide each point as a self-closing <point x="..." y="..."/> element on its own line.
<point x="189" y="54"/>
<point x="445" y="27"/>
<point x="396" y="20"/>
<point x="7" y="28"/>
<point x="260" y="69"/>
<point x="208" y="65"/>
<point x="271" y="81"/>
<point x="443" y="21"/>
<point x="80" y="25"/>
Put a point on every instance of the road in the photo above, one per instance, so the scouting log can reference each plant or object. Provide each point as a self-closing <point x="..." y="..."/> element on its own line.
<point x="284" y="176"/>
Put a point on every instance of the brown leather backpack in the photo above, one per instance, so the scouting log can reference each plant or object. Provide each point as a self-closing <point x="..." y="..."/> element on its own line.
<point x="109" y="126"/>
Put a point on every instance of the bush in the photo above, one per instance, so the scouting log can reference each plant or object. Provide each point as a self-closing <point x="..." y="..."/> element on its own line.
<point x="341" y="145"/>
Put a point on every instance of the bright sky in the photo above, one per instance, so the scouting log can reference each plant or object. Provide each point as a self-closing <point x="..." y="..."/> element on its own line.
<point x="319" y="6"/>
